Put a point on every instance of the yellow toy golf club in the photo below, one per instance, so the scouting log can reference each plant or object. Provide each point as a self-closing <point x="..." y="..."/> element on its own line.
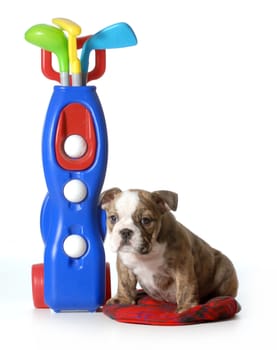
<point x="73" y="30"/>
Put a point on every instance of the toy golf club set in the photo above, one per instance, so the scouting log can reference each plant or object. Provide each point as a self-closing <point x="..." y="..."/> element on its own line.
<point x="74" y="275"/>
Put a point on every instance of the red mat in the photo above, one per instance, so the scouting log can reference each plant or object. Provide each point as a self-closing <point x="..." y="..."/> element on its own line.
<point x="152" y="312"/>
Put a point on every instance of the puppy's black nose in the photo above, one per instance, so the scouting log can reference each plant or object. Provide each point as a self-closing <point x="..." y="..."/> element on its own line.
<point x="126" y="234"/>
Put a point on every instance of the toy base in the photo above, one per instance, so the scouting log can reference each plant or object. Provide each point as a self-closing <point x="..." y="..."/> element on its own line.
<point x="38" y="285"/>
<point x="148" y="311"/>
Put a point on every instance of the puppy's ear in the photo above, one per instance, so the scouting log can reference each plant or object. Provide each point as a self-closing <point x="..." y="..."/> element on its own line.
<point x="107" y="196"/>
<point x="166" y="200"/>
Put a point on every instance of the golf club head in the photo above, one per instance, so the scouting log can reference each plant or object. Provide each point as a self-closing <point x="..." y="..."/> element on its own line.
<point x="115" y="36"/>
<point x="69" y="26"/>
<point x="52" y="39"/>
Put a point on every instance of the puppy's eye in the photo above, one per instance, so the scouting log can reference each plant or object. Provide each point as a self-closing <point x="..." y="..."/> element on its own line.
<point x="113" y="219"/>
<point x="145" y="220"/>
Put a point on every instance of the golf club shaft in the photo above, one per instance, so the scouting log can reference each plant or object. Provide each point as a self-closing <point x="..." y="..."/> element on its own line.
<point x="76" y="79"/>
<point x="64" y="79"/>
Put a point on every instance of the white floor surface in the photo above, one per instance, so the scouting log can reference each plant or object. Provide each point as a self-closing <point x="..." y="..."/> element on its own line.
<point x="22" y="325"/>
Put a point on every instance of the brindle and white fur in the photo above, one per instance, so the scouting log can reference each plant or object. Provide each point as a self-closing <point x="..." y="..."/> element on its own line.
<point x="153" y="248"/>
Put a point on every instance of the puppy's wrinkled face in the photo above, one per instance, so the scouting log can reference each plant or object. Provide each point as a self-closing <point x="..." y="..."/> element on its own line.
<point x="133" y="219"/>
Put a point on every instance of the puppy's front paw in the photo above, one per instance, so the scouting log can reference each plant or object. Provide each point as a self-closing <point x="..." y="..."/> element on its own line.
<point x="185" y="307"/>
<point x="120" y="300"/>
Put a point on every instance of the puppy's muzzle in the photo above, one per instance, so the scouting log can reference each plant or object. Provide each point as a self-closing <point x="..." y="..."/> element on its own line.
<point x="126" y="235"/>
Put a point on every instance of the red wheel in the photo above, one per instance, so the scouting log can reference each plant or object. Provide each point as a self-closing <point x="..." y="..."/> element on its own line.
<point x="38" y="286"/>
<point x="108" y="282"/>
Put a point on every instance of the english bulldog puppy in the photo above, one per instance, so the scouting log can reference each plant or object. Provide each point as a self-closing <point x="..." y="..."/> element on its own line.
<point x="169" y="261"/>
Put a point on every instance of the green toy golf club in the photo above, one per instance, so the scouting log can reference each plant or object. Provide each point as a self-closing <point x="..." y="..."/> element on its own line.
<point x="52" y="39"/>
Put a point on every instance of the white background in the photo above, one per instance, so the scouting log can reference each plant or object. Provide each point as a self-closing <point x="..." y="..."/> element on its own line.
<point x="192" y="108"/>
